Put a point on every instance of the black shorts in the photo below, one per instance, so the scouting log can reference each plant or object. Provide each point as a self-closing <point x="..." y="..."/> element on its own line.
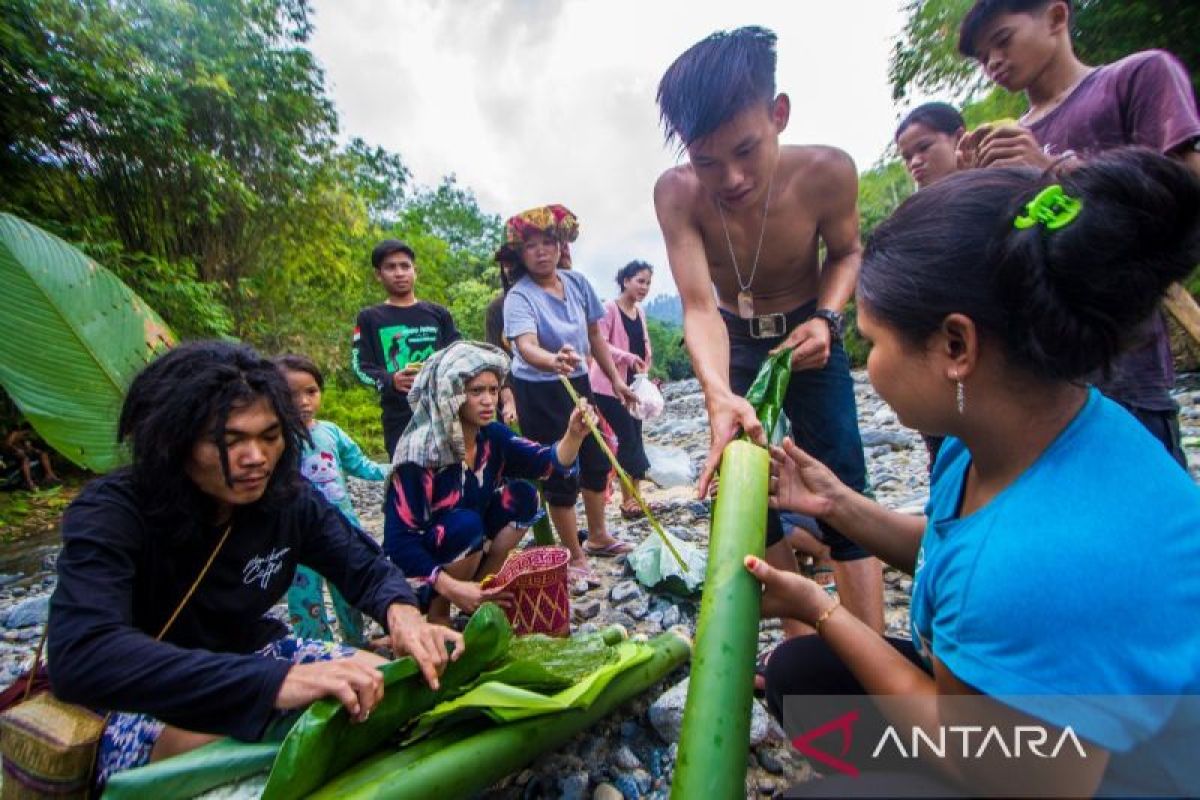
<point x="544" y="408"/>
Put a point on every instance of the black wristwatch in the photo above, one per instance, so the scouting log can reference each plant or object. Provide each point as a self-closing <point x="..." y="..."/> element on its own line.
<point x="833" y="318"/>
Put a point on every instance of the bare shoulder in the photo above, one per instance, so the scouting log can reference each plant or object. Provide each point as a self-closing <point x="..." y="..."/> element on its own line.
<point x="678" y="188"/>
<point x="818" y="168"/>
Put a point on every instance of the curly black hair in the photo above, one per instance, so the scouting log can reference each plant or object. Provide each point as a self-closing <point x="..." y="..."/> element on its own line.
<point x="186" y="396"/>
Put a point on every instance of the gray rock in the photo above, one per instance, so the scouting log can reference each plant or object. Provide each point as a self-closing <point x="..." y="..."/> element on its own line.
<point x="638" y="607"/>
<point x="621" y="618"/>
<point x="573" y="786"/>
<point x="666" y="715"/>
<point x="771" y="762"/>
<point x="625" y="758"/>
<point x="586" y="609"/>
<point x="874" y="437"/>
<point x="33" y="611"/>
<point x="625" y="590"/>
<point x="654" y="619"/>
<point x="606" y="791"/>
<point x="670" y="616"/>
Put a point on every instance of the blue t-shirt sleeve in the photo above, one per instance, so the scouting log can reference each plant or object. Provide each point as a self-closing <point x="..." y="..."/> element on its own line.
<point x="519" y="316"/>
<point x="593" y="309"/>
<point x="353" y="460"/>
<point x="527" y="459"/>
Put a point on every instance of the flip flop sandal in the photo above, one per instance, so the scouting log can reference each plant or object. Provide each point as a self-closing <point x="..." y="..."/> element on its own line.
<point x="617" y="548"/>
<point x="760" y="673"/>
<point x="583" y="574"/>
<point x="632" y="512"/>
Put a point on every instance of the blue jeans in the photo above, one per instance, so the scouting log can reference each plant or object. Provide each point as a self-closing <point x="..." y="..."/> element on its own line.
<point x="820" y="405"/>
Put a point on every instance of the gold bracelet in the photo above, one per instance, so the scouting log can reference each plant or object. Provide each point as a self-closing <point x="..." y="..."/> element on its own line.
<point x="837" y="601"/>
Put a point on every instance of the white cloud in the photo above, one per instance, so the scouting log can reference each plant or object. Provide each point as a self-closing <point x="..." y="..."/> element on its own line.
<point x="537" y="101"/>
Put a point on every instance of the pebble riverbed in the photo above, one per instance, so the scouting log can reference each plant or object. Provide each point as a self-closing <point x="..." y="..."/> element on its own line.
<point x="631" y="754"/>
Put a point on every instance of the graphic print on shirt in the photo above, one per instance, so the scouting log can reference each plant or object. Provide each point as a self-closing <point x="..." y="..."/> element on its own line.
<point x="321" y="470"/>
<point x="261" y="569"/>
<point x="404" y="344"/>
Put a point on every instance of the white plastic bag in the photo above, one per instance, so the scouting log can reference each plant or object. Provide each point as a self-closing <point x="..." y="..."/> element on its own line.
<point x="650" y="399"/>
<point x="669" y="466"/>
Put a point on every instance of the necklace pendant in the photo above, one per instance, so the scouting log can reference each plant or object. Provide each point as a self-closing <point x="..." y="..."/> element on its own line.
<point x="745" y="304"/>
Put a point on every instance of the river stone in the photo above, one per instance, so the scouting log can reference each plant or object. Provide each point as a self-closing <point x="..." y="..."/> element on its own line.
<point x="625" y="590"/>
<point x="606" y="791"/>
<point x="573" y="786"/>
<point x="666" y="715"/>
<point x="626" y="759"/>
<point x="33" y="611"/>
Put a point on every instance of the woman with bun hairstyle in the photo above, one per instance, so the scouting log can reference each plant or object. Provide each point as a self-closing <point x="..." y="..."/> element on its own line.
<point x="990" y="297"/>
<point x="624" y="328"/>
<point x="928" y="142"/>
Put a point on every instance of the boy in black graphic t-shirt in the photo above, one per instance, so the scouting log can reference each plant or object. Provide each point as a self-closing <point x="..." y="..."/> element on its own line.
<point x="394" y="337"/>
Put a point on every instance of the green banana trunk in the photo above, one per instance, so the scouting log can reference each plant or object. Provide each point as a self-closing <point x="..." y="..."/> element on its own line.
<point x="449" y="766"/>
<point x="716" y="720"/>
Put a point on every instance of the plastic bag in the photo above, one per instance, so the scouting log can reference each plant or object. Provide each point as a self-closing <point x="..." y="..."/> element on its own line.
<point x="669" y="466"/>
<point x="650" y="399"/>
<point x="654" y="566"/>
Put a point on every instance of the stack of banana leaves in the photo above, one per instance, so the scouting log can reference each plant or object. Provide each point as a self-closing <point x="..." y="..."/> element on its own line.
<point x="504" y="702"/>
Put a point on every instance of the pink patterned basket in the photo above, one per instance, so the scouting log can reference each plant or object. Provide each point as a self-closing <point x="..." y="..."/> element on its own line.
<point x="537" y="578"/>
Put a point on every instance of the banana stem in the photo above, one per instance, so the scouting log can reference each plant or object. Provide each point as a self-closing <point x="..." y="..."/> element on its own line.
<point x="624" y="478"/>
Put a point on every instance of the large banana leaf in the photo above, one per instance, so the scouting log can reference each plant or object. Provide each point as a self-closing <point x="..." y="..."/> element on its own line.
<point x="72" y="336"/>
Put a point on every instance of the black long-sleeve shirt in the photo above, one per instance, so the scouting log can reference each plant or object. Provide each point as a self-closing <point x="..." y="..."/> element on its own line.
<point x="120" y="577"/>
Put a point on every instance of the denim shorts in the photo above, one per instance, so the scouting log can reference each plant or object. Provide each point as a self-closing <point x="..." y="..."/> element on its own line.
<point x="820" y="405"/>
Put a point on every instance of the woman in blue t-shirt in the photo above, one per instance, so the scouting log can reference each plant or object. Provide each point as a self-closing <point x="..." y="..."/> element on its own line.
<point x="991" y="298"/>
<point x="551" y="317"/>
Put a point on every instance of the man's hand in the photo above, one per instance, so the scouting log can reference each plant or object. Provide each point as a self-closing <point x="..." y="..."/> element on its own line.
<point x="810" y="342"/>
<point x="411" y="635"/>
<point x="355" y="682"/>
<point x="727" y="415"/>
<point x="1012" y="146"/>
<point x="402" y="381"/>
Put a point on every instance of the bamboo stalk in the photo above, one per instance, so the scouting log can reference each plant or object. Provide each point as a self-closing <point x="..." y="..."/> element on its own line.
<point x="716" y="718"/>
<point x="629" y="485"/>
<point x="463" y="767"/>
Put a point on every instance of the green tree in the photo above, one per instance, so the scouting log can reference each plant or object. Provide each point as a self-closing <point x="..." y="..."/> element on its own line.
<point x="671" y="359"/>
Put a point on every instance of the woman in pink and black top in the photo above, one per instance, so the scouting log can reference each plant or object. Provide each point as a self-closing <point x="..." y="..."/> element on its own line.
<point x="624" y="328"/>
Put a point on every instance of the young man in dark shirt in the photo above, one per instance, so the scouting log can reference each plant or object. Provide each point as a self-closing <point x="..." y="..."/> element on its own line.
<point x="215" y="441"/>
<point x="393" y="338"/>
<point x="1075" y="112"/>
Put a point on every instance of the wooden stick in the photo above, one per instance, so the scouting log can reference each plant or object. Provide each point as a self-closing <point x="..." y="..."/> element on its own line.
<point x="1182" y="306"/>
<point x="624" y="478"/>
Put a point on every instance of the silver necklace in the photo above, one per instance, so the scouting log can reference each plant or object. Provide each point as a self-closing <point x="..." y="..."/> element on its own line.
<point x="745" y="298"/>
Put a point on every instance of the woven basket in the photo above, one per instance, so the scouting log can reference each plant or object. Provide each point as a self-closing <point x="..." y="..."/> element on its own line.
<point x="537" y="578"/>
<point x="49" y="749"/>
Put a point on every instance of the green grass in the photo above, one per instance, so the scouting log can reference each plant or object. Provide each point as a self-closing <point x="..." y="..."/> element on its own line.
<point x="355" y="409"/>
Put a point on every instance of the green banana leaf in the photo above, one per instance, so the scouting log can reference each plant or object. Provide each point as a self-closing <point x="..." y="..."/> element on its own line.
<point x="768" y="390"/>
<point x="324" y="742"/>
<point x="187" y="775"/>
<point x="72" y="336"/>
<point x="467" y="759"/>
<point x="505" y="694"/>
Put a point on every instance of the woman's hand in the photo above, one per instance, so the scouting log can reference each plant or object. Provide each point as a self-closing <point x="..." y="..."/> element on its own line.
<point x="355" y="682"/>
<point x="788" y="594"/>
<point x="566" y="360"/>
<point x="412" y="636"/>
<point x="469" y="595"/>
<point x="578" y="426"/>
<point x="801" y="483"/>
<point x="639" y="366"/>
<point x="625" y="395"/>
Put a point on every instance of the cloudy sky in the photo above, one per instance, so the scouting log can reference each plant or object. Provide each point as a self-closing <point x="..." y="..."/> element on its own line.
<point x="538" y="101"/>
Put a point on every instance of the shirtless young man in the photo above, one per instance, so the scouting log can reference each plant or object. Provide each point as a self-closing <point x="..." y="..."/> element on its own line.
<point x="746" y="218"/>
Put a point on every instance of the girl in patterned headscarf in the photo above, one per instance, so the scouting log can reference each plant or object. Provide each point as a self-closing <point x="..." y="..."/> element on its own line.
<point x="455" y="487"/>
<point x="551" y="317"/>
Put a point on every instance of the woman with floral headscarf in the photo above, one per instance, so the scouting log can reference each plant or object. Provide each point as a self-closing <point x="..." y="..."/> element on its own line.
<point x="551" y="317"/>
<point x="453" y="488"/>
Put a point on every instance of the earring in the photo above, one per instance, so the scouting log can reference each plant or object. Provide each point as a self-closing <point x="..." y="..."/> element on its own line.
<point x="960" y="397"/>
